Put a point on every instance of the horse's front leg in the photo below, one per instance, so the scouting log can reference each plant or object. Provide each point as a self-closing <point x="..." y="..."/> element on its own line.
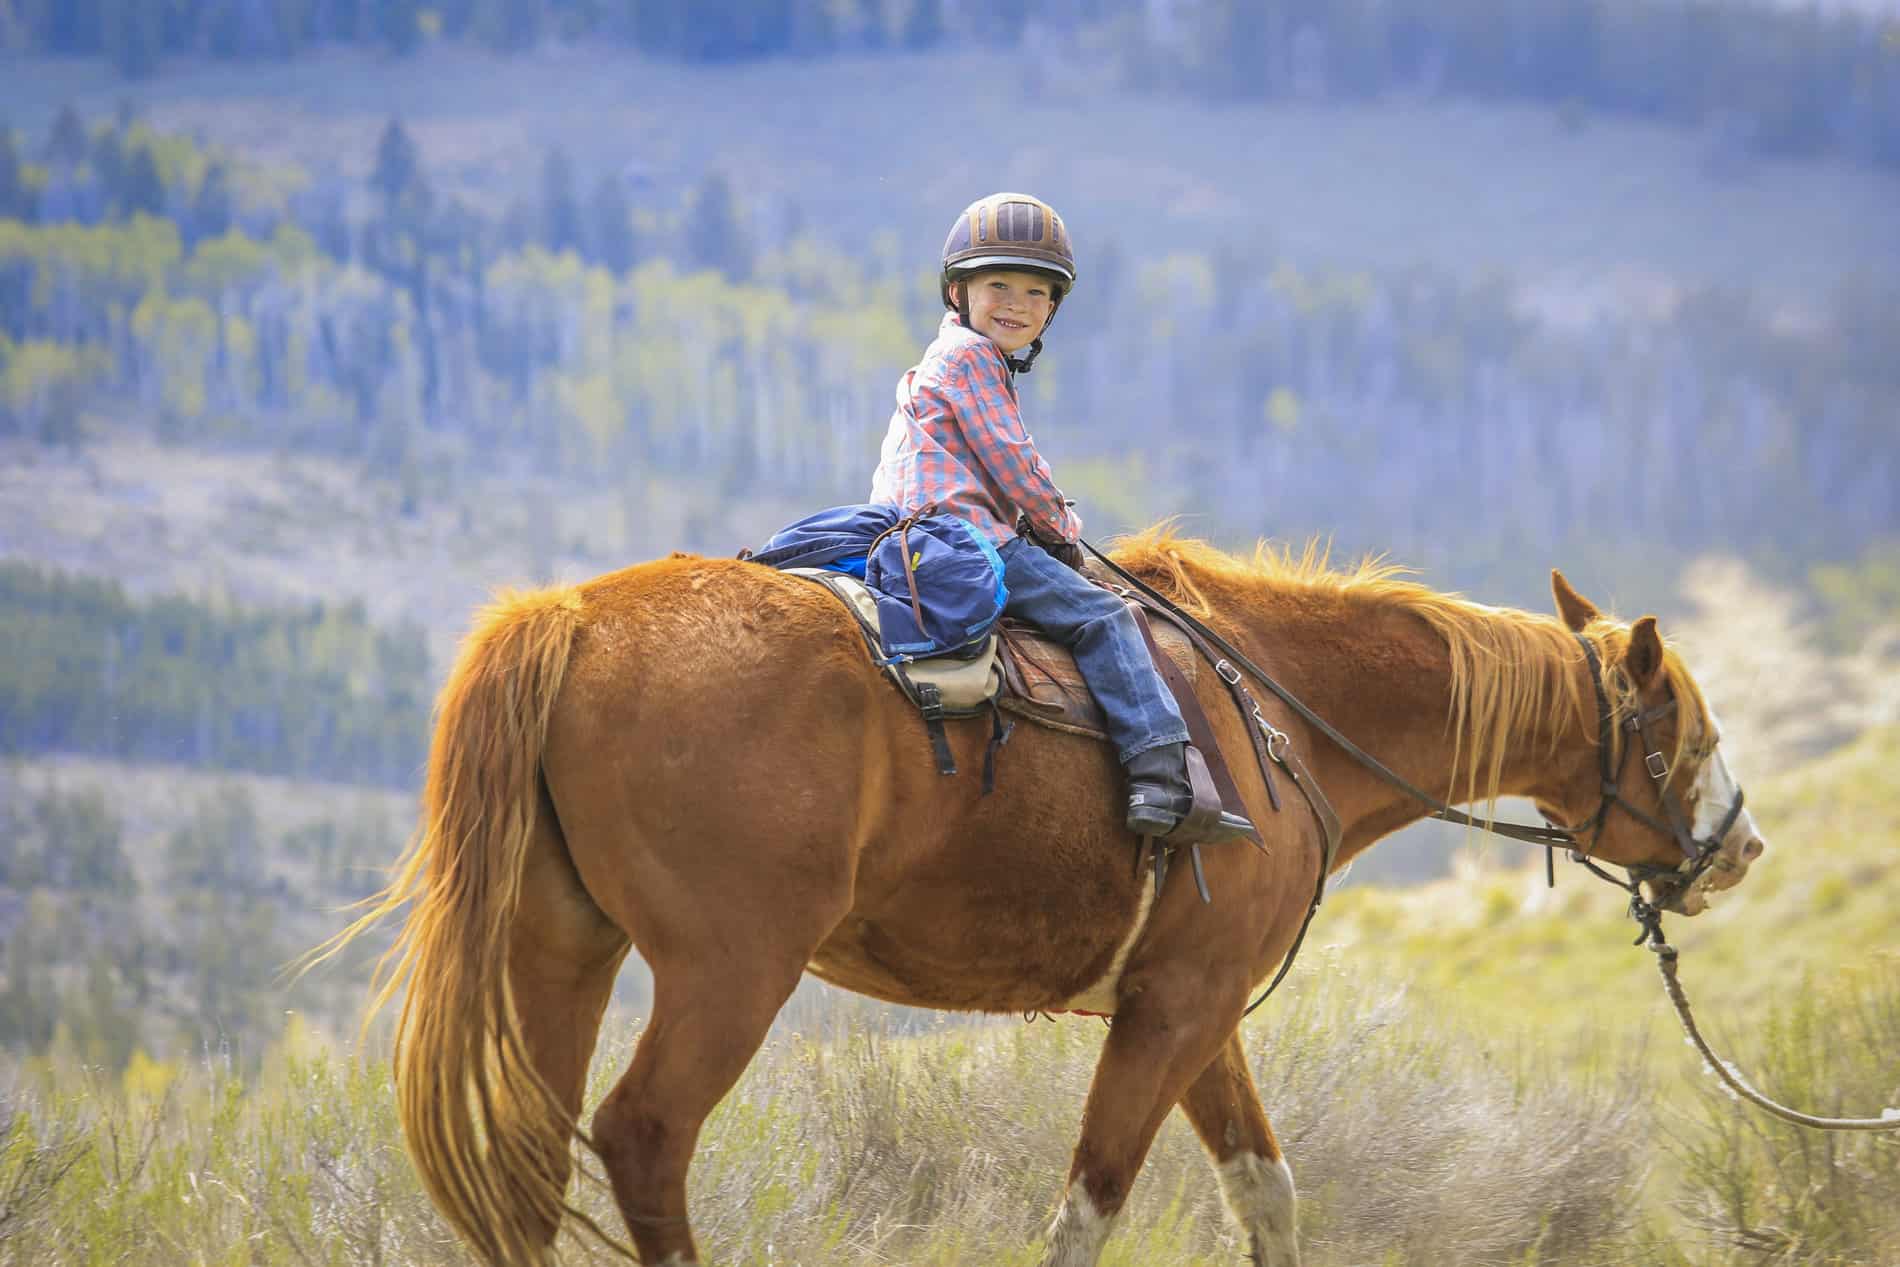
<point x="1170" y="1025"/>
<point x="1224" y="1107"/>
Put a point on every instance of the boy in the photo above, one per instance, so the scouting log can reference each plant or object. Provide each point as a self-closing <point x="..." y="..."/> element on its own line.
<point x="957" y="444"/>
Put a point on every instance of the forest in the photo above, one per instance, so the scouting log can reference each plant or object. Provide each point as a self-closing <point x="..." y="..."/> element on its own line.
<point x="1793" y="80"/>
<point x="611" y="338"/>
<point x="315" y="691"/>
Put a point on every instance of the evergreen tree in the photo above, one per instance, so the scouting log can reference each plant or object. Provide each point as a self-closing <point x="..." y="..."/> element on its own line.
<point x="66" y="144"/>
<point x="560" y="213"/>
<point x="401" y="26"/>
<point x="614" y="244"/>
<point x="923" y="24"/>
<point x="108" y="166"/>
<point x="144" y="187"/>
<point x="211" y="210"/>
<point x="16" y="201"/>
<point x="132" y="31"/>
<point x="507" y="25"/>
<point x="398" y="165"/>
<point x="714" y="238"/>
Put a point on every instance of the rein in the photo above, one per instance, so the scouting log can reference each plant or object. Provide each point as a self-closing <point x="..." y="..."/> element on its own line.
<point x="1698" y="855"/>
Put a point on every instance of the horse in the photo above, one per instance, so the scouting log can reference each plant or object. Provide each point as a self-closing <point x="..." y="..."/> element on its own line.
<point x="695" y="759"/>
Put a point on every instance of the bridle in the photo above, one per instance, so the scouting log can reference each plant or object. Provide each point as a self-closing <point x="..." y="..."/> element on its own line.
<point x="1698" y="854"/>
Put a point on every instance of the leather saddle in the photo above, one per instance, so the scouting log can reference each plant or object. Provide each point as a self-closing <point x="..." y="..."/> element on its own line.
<point x="1021" y="671"/>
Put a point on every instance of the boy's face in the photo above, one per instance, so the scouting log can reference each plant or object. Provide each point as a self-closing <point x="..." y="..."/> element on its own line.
<point x="1010" y="308"/>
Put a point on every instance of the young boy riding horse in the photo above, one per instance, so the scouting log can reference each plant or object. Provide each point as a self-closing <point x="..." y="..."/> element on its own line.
<point x="957" y="444"/>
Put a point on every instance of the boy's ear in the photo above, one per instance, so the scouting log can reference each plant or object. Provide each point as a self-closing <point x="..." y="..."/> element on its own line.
<point x="956" y="293"/>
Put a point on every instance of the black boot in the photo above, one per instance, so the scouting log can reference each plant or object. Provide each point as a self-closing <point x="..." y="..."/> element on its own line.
<point x="1160" y="797"/>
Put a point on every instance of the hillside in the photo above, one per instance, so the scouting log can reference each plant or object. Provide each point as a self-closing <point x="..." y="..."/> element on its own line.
<point x="1508" y="952"/>
<point x="1602" y="211"/>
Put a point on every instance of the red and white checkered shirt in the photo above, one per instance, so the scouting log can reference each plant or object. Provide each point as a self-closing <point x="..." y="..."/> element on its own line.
<point x="957" y="442"/>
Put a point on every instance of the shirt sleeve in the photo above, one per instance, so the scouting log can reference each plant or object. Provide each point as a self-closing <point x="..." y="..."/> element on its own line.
<point x="986" y="412"/>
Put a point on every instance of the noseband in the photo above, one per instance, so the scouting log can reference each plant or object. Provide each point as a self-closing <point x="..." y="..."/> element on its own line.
<point x="1697" y="854"/>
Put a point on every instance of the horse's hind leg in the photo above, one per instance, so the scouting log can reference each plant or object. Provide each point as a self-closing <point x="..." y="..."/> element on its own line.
<point x="1224" y="1107"/>
<point x="1167" y="1031"/>
<point x="710" y="1013"/>
<point x="563" y="956"/>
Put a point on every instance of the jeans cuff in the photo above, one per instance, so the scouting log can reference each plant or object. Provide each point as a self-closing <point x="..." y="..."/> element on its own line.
<point x="1140" y="746"/>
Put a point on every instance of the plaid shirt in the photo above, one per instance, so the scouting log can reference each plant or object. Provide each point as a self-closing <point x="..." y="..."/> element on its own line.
<point x="957" y="442"/>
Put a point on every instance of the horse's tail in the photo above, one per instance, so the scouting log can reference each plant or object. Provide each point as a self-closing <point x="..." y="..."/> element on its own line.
<point x="488" y="1136"/>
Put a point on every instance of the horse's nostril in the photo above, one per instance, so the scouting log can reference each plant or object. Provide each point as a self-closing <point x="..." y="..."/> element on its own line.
<point x="1752" y="850"/>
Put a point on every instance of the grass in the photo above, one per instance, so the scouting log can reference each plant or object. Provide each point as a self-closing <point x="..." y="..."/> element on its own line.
<point x="1475" y="1079"/>
<point x="1415" y="1141"/>
<point x="872" y="1148"/>
<point x="1510" y="951"/>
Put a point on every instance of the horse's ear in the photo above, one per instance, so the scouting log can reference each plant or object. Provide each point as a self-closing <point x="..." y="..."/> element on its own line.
<point x="1576" y="610"/>
<point x="1645" y="657"/>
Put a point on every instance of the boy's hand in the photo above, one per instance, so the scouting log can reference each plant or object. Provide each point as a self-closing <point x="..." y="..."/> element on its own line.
<point x="1065" y="552"/>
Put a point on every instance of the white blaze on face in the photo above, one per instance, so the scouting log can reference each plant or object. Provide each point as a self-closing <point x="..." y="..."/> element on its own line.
<point x="1715" y="793"/>
<point x="1079" y="1232"/>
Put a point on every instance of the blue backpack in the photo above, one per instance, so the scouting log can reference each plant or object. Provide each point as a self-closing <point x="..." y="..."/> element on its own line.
<point x="938" y="582"/>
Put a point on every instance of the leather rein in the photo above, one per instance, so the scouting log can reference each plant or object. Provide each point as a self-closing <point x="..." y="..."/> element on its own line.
<point x="1277" y="749"/>
<point x="1698" y="853"/>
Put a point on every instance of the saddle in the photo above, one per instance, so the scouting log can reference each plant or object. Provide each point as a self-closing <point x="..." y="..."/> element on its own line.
<point x="1019" y="670"/>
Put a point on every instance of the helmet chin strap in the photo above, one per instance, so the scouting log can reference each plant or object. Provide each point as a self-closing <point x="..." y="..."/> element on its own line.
<point x="1022" y="365"/>
<point x="1027" y="363"/>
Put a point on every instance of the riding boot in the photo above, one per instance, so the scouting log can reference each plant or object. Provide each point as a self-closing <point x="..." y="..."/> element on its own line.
<point x="1161" y="797"/>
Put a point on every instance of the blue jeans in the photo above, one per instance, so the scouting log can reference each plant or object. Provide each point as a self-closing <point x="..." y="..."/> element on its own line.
<point x="1102" y="636"/>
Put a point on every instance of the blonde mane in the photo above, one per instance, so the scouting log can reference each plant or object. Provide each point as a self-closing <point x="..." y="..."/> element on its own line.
<point x="1510" y="669"/>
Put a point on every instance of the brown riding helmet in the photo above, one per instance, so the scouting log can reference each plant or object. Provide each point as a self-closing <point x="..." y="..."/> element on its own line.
<point x="1008" y="231"/>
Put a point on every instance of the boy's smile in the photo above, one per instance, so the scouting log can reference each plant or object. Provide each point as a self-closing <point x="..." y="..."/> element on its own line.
<point x="1009" y="307"/>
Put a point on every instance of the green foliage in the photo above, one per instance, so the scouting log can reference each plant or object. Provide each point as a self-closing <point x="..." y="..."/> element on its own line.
<point x="42" y="387"/>
<point x="1775" y="1192"/>
<point x="65" y="842"/>
<point x="316" y="690"/>
<point x="1858" y="597"/>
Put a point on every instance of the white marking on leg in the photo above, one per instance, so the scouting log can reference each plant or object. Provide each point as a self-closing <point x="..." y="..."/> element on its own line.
<point x="1259" y="1194"/>
<point x="1100" y="997"/>
<point x="1079" y="1232"/>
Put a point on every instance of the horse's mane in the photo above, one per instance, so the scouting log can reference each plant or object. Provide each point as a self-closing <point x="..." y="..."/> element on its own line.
<point x="1509" y="668"/>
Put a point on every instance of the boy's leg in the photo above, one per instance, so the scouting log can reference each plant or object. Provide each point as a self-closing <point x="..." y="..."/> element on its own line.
<point x="1108" y="648"/>
<point x="1144" y="722"/>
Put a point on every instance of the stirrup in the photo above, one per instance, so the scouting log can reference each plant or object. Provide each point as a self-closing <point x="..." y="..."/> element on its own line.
<point x="1207" y="820"/>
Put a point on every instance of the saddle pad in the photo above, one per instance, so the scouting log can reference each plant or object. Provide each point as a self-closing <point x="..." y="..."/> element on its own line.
<point x="966" y="685"/>
<point x="1042" y="684"/>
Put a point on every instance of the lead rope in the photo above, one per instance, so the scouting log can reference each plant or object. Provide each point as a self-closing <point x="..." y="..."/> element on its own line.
<point x="1666" y="961"/>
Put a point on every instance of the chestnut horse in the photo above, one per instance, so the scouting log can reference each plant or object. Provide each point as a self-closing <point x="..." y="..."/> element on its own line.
<point x="694" y="758"/>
